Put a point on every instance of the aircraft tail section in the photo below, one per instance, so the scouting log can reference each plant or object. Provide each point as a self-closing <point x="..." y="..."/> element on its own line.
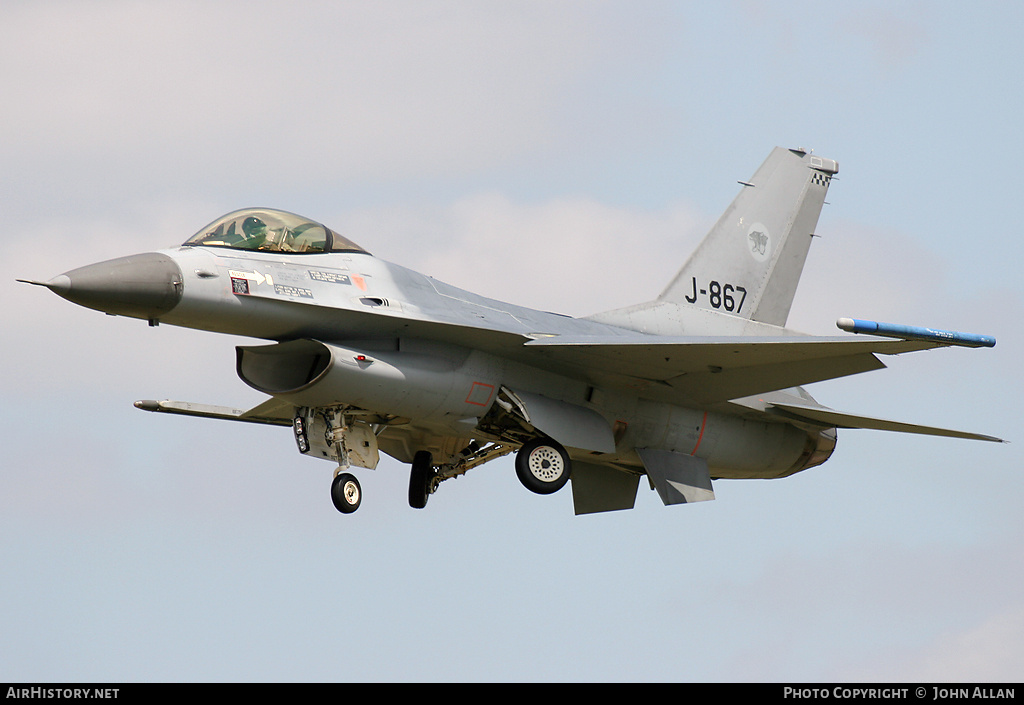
<point x="749" y="264"/>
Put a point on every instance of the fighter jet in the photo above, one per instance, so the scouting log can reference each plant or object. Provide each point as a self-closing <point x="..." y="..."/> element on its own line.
<point x="699" y="384"/>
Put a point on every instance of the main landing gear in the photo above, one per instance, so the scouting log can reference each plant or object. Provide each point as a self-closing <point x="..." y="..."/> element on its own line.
<point x="346" y="493"/>
<point x="421" y="477"/>
<point x="543" y="466"/>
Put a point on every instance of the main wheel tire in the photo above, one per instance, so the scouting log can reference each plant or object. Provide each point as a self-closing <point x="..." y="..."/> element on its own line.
<point x="543" y="466"/>
<point x="346" y="493"/>
<point x="420" y="477"/>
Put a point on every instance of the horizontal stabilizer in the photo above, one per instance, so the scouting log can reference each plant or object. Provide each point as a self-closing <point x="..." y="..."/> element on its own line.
<point x="271" y="412"/>
<point x="827" y="417"/>
<point x="893" y="330"/>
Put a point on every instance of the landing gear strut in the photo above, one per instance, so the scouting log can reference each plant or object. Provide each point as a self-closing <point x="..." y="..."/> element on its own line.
<point x="543" y="466"/>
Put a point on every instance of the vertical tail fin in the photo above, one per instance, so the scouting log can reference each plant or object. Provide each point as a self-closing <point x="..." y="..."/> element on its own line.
<point x="750" y="262"/>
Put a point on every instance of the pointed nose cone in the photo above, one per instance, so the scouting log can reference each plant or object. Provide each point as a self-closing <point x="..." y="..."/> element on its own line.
<point x="141" y="286"/>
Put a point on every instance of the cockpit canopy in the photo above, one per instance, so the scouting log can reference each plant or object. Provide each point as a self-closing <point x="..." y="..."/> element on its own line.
<point x="267" y="230"/>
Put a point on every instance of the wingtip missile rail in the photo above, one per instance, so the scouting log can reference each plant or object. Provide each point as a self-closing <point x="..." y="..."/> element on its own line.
<point x="894" y="330"/>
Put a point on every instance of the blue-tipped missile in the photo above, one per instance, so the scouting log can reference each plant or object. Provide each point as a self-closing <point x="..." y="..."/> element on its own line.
<point x="893" y="330"/>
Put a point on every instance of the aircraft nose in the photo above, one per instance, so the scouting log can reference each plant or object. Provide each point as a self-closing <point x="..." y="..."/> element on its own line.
<point x="146" y="286"/>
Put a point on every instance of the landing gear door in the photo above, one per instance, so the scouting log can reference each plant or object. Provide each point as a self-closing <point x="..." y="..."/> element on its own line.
<point x="571" y="425"/>
<point x="353" y="443"/>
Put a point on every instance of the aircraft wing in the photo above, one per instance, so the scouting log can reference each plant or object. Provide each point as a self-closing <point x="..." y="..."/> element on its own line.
<point x="717" y="369"/>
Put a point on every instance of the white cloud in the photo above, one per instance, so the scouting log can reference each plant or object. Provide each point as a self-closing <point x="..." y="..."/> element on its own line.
<point x="570" y="255"/>
<point x="309" y="90"/>
<point x="862" y="272"/>
<point x="895" y="38"/>
<point x="992" y="651"/>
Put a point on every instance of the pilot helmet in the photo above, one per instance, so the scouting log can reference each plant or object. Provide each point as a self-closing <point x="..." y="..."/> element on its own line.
<point x="253" y="226"/>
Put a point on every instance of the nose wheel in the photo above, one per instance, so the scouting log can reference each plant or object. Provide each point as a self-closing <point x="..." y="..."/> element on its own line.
<point x="346" y="493"/>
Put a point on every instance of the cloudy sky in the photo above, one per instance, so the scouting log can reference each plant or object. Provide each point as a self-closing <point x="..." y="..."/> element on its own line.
<point x="560" y="155"/>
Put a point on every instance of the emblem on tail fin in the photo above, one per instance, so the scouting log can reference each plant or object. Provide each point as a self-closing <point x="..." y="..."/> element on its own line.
<point x="760" y="243"/>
